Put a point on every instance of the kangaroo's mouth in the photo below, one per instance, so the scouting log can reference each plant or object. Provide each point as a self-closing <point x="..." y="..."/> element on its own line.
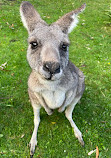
<point x="50" y="77"/>
<point x="53" y="77"/>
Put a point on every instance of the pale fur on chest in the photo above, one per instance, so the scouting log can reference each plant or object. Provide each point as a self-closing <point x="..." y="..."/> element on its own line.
<point x="53" y="99"/>
<point x="51" y="92"/>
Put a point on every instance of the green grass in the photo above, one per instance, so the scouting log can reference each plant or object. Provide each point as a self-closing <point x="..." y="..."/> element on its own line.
<point x="90" y="50"/>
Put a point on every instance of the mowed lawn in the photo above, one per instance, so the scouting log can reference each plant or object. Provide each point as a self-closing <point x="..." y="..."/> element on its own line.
<point x="90" y="50"/>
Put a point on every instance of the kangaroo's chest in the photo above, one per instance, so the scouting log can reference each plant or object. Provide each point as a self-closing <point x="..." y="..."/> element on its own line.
<point x="54" y="99"/>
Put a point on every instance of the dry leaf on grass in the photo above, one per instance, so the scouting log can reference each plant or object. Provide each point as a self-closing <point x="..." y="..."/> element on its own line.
<point x="53" y="123"/>
<point x="3" y="66"/>
<point x="91" y="152"/>
<point x="97" y="152"/>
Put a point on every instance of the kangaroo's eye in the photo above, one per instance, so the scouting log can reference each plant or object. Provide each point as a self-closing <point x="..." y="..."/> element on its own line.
<point x="64" y="47"/>
<point x="34" y="45"/>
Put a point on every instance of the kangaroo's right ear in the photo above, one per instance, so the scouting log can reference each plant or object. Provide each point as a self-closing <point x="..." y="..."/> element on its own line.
<point x="69" y="20"/>
<point x="30" y="17"/>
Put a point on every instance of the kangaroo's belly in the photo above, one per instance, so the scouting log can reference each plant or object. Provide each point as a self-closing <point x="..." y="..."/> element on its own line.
<point x="54" y="99"/>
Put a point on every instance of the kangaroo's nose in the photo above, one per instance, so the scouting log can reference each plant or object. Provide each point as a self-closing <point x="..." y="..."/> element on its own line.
<point x="52" y="67"/>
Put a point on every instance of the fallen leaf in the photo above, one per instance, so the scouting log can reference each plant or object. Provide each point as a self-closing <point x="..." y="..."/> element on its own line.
<point x="22" y="135"/>
<point x="3" y="66"/>
<point x="91" y="152"/>
<point x="53" y="123"/>
<point x="97" y="152"/>
<point x="48" y="17"/>
<point x="7" y="23"/>
<point x="12" y="74"/>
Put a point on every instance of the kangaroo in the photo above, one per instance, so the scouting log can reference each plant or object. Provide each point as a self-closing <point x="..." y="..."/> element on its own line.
<point x="55" y="82"/>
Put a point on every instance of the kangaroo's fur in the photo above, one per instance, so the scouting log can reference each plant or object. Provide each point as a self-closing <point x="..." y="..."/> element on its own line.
<point x="54" y="81"/>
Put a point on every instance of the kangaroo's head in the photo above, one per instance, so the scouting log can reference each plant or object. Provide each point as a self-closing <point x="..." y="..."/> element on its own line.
<point x="47" y="52"/>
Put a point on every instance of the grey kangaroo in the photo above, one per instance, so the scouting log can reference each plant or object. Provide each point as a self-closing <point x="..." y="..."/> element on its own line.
<point x="55" y="82"/>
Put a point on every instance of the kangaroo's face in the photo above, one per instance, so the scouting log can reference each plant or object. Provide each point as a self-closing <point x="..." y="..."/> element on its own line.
<point x="47" y="52"/>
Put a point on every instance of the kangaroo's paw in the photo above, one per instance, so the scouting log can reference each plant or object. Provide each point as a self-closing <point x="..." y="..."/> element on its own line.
<point x="49" y="111"/>
<point x="61" y="109"/>
<point x="31" y="156"/>
<point x="32" y="146"/>
<point x="78" y="135"/>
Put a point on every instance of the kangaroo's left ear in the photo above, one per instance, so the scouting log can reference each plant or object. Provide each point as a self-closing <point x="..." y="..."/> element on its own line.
<point x="30" y="17"/>
<point x="69" y="20"/>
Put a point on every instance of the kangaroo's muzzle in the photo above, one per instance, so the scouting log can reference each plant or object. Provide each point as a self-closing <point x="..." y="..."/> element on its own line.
<point x="52" y="68"/>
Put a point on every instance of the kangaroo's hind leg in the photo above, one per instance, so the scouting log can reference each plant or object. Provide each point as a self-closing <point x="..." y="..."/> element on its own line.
<point x="33" y="141"/>
<point x="36" y="109"/>
<point x="68" y="114"/>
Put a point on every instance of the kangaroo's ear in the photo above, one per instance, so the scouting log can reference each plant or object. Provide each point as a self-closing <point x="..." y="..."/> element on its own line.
<point x="30" y="17"/>
<point x="69" y="20"/>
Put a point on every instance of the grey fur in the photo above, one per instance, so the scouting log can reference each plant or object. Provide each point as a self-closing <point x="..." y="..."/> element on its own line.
<point x="54" y="81"/>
